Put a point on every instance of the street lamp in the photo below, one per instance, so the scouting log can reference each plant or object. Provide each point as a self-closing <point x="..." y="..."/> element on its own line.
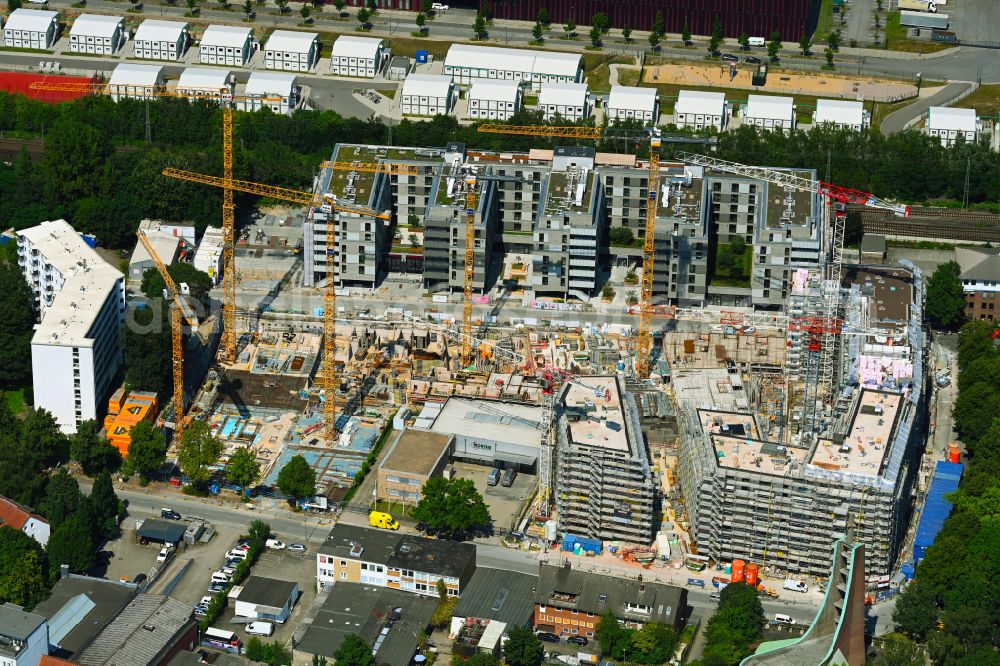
<point x="919" y="80"/>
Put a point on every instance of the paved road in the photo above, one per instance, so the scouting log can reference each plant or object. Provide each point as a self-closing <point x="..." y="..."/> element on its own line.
<point x="896" y="122"/>
<point x="859" y="22"/>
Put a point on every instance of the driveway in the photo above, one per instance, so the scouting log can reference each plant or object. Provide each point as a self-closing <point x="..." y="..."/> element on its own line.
<point x="896" y="122"/>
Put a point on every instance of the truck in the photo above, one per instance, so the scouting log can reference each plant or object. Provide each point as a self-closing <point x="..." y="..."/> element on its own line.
<point x="918" y="5"/>
<point x="795" y="585"/>
<point x="696" y="582"/>
<point x="382" y="520"/>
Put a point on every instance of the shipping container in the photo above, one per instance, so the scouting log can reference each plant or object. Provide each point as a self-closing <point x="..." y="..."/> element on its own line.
<point x="579" y="545"/>
<point x="947" y="476"/>
<point x="739" y="568"/>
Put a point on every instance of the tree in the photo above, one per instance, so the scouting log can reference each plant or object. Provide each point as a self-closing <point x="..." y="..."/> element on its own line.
<point x="146" y="451"/>
<point x="916" y="611"/>
<point x="428" y="6"/>
<point x="450" y="507"/>
<point x="828" y="52"/>
<point x="536" y="32"/>
<point x="485" y="10"/>
<point x="774" y="46"/>
<point x="421" y="21"/>
<point x="744" y="40"/>
<point x="17" y="317"/>
<point x="243" y="468"/>
<point x="479" y="28"/>
<point x="805" y="43"/>
<point x="372" y="6"/>
<point x="854" y="228"/>
<point x="13" y="5"/>
<point x="601" y="21"/>
<point x="717" y="31"/>
<point x="363" y="16"/>
<point x="833" y="40"/>
<point x="62" y="495"/>
<point x="259" y="532"/>
<point x="481" y="659"/>
<point x="107" y="509"/>
<point x="654" y="643"/>
<point x="443" y="613"/>
<point x="595" y="36"/>
<point x="305" y="10"/>
<point x="659" y="26"/>
<point x="71" y="543"/>
<point x="543" y="17"/>
<point x="340" y="4"/>
<point x="523" y="648"/>
<point x="192" y="6"/>
<point x="297" y="479"/>
<point x="199" y="449"/>
<point x="736" y="624"/>
<point x="945" y="299"/>
<point x="654" y="41"/>
<point x="570" y="26"/>
<point x="612" y="636"/>
<point x="353" y="652"/>
<point x="627" y="34"/>
<point x="282" y="4"/>
<point x="41" y="435"/>
<point x="22" y="568"/>
<point x="272" y="652"/>
<point x="713" y="45"/>
<point x="621" y="236"/>
<point x="247" y="8"/>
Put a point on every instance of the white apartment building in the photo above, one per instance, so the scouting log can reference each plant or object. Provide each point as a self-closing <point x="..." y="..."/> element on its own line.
<point x="226" y="45"/>
<point x="208" y="257"/>
<point x="701" y="110"/>
<point x="291" y="51"/>
<point x="357" y="56"/>
<point x="97" y="34"/>
<point x="24" y="636"/>
<point x="427" y="95"/>
<point x="628" y="102"/>
<point x="465" y="63"/>
<point x="947" y="124"/>
<point x="160" y="40"/>
<point x="770" y="112"/>
<point x="206" y="82"/>
<point x="76" y="349"/>
<point x="134" y="81"/>
<point x="842" y="113"/>
<point x="275" y="91"/>
<point x="569" y="101"/>
<point x="24" y="519"/>
<point x="494" y="100"/>
<point x="31" y="29"/>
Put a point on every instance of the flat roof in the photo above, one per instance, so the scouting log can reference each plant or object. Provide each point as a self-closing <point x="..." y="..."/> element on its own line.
<point x="96" y="25"/>
<point x="270" y="83"/>
<point x="291" y="40"/>
<point x="890" y="290"/>
<point x="17" y="623"/>
<point x="129" y="74"/>
<point x="360" y="543"/>
<point x="563" y="94"/>
<point x="351" y="46"/>
<point x="947" y="118"/>
<point x="775" y="107"/>
<point x="165" y="246"/>
<point x="140" y="633"/>
<point x="501" y="421"/>
<point x="868" y="439"/>
<point x="427" y="85"/>
<point x="416" y="452"/>
<point x="632" y="97"/>
<point x="604" y="425"/>
<point x="500" y="595"/>
<point x="226" y="35"/>
<point x="700" y="102"/>
<point x="496" y="90"/>
<point x="168" y="531"/>
<point x="32" y="20"/>
<point x="106" y="598"/>
<point x="433" y="556"/>
<point x="843" y="111"/>
<point x="539" y="63"/>
<point x="567" y="192"/>
<point x="267" y="591"/>
<point x="205" y="77"/>
<point x="88" y="280"/>
<point x="154" y="30"/>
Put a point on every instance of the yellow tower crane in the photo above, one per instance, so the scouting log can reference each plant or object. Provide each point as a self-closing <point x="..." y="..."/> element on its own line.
<point x="226" y="99"/>
<point x="329" y="292"/>
<point x="180" y="311"/>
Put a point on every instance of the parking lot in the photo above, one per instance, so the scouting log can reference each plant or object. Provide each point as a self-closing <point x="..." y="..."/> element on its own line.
<point x="503" y="502"/>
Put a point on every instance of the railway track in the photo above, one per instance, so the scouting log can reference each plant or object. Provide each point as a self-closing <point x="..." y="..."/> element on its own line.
<point x="925" y="222"/>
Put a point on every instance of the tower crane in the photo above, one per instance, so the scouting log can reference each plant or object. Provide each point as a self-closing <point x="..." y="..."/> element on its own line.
<point x="180" y="311"/>
<point x="226" y="99"/>
<point x="329" y="291"/>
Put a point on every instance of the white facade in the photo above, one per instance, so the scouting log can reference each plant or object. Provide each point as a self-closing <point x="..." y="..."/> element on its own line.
<point x="569" y="101"/>
<point x="31" y="29"/>
<point x="494" y="100"/>
<point x="277" y="92"/>
<point x="75" y="350"/>
<point x="291" y="51"/>
<point x="628" y="102"/>
<point x="357" y="56"/>
<point x="208" y="257"/>
<point x="427" y="94"/>
<point x="701" y="110"/>
<point x="225" y="45"/>
<point x="947" y="124"/>
<point x="160" y="40"/>
<point x="97" y="34"/>
<point x="135" y="81"/>
<point x="24" y="636"/>
<point x="842" y="113"/>
<point x="206" y="82"/>
<point x="770" y="112"/>
<point x="465" y="63"/>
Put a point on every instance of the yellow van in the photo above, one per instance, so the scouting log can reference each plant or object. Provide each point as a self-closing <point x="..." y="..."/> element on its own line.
<point x="383" y="520"/>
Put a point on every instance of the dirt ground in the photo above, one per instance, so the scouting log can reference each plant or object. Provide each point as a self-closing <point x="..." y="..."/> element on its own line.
<point x="827" y="84"/>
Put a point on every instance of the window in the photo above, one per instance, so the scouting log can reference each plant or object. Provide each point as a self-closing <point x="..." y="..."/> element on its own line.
<point x="343" y="575"/>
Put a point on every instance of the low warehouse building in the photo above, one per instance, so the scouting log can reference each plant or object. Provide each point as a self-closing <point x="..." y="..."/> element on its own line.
<point x="226" y="45"/>
<point x="569" y="101"/>
<point x="701" y="110"/>
<point x="135" y="81"/>
<point x="167" y="532"/>
<point x="948" y="124"/>
<point x="160" y="40"/>
<point x="97" y="34"/>
<point x="631" y="102"/>
<point x="166" y="246"/>
<point x="357" y="56"/>
<point x="267" y="599"/>
<point x="427" y="95"/>
<point x="494" y="100"/>
<point x="275" y="91"/>
<point x="770" y="112"/>
<point x="841" y="113"/>
<point x="31" y="29"/>
<point x="291" y="51"/>
<point x="466" y="63"/>
<point x="206" y="82"/>
<point x="414" y="458"/>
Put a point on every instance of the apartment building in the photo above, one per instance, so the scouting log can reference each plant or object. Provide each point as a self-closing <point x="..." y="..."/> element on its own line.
<point x="24" y="519"/>
<point x="494" y="100"/>
<point x="291" y="50"/>
<point x="569" y="101"/>
<point x="362" y="57"/>
<point x="633" y="103"/>
<point x="604" y="483"/>
<point x="770" y="112"/>
<point x="427" y="95"/>
<point x="466" y="63"/>
<point x="277" y="91"/>
<point x="80" y="298"/>
<point x="980" y="278"/>
<point x="352" y="554"/>
<point x="97" y="34"/>
<point x="24" y="636"/>
<point x="948" y="124"/>
<point x="206" y="83"/>
<point x="134" y="81"/>
<point x="160" y="40"/>
<point x="226" y="45"/>
<point x="701" y="110"/>
<point x="842" y="113"/>
<point x="414" y="458"/>
<point x="31" y="29"/>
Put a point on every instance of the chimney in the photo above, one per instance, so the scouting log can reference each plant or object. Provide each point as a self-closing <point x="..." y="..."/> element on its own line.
<point x="63" y="571"/>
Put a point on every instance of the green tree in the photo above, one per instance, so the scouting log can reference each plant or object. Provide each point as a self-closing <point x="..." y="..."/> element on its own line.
<point x="271" y="652"/>
<point x="481" y="659"/>
<point x="449" y="507"/>
<point x="62" y="495"/>
<point x="22" y="568"/>
<point x="198" y="451"/>
<point x="421" y="21"/>
<point x="443" y="613"/>
<point x="654" y="41"/>
<point x="774" y="45"/>
<point x="805" y="43"/>
<point x="916" y="611"/>
<point x="627" y="34"/>
<point x="523" y="648"/>
<point x="94" y="453"/>
<point x="372" y="6"/>
<point x="147" y="450"/>
<point x="654" y="643"/>
<point x="479" y="28"/>
<point x="736" y="624"/>
<point x="945" y="299"/>
<point x="659" y="27"/>
<point x="428" y="6"/>
<point x="621" y="236"/>
<point x="17" y="317"/>
<point x="833" y="40"/>
<point x="305" y="11"/>
<point x="442" y="589"/>
<point x="828" y="53"/>
<point x="353" y="652"/>
<point x="247" y="8"/>
<point x="363" y="16"/>
<point x="282" y="5"/>
<point x="601" y="21"/>
<point x="543" y="17"/>
<point x="613" y="638"/>
<point x="570" y="26"/>
<point x="717" y="30"/>
<point x="713" y="45"/>
<point x="41" y="435"/>
<point x="340" y="4"/>
<point x="71" y="543"/>
<point x="198" y="281"/>
<point x="485" y="10"/>
<point x="259" y="532"/>
<point x="192" y="6"/>
<point x="242" y="469"/>
<point x="297" y="479"/>
<point x="107" y="509"/>
<point x="13" y="5"/>
<point x="595" y="36"/>
<point x="744" y="40"/>
<point x="536" y="32"/>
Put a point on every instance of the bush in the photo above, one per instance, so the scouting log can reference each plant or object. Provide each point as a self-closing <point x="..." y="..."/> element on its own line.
<point x="622" y="236"/>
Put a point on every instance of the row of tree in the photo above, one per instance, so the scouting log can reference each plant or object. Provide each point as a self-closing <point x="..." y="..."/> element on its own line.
<point x="735" y="628"/>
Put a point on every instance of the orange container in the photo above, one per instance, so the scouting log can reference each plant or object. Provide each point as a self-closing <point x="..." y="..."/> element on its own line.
<point x="751" y="577"/>
<point x="953" y="453"/>
<point x="739" y="567"/>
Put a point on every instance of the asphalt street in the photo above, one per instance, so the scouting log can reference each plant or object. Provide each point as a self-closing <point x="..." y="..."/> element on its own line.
<point x="897" y="121"/>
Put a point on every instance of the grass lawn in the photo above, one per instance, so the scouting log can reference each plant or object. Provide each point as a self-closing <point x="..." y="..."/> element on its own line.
<point x="388" y="92"/>
<point x="745" y="264"/>
<point x="985" y="100"/>
<point x="598" y="73"/>
<point x="895" y="38"/>
<point x="15" y="401"/>
<point x="824" y="21"/>
<point x="628" y="77"/>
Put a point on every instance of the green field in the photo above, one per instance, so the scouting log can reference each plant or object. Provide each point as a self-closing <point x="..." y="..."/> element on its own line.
<point x="15" y="401"/>
<point x="985" y="100"/>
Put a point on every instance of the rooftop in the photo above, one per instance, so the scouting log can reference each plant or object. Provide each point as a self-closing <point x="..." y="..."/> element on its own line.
<point x="569" y="191"/>
<point x="88" y="281"/>
<point x="129" y="74"/>
<point x="700" y="102"/>
<point x="164" y="244"/>
<point x="291" y="40"/>
<point x="632" y="97"/>
<point x="270" y="83"/>
<point x="360" y="543"/>
<point x="78" y="608"/>
<point x="140" y="633"/>
<point x="226" y="35"/>
<point x="787" y="206"/>
<point x="168" y="531"/>
<point x="890" y="291"/>
<point x="153" y="30"/>
<point x="433" y="556"/>
<point x="948" y="118"/>
<point x="598" y="400"/>
<point x="525" y="60"/>
<point x="977" y="264"/>
<point x="17" y="623"/>
<point x="16" y="515"/>
<point x="416" y="452"/>
<point x="501" y="421"/>
<point x="267" y="591"/>
<point x="595" y="593"/>
<point x="356" y="47"/>
<point x="775" y="107"/>
<point x="96" y="25"/>
<point x="564" y="94"/>
<point x="205" y="77"/>
<point x="869" y="438"/>
<point x="843" y="111"/>
<point x="498" y="594"/>
<point x="427" y="85"/>
<point x="496" y="90"/>
<point x="32" y="20"/>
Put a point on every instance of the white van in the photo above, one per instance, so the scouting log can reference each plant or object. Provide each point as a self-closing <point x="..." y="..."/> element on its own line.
<point x="220" y="577"/>
<point x="756" y="41"/>
<point x="795" y="585"/>
<point x="781" y="618"/>
<point x="260" y="629"/>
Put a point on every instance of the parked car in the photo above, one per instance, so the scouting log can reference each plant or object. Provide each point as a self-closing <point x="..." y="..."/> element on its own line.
<point x="169" y="514"/>
<point x="548" y="637"/>
<point x="577" y="640"/>
<point x="729" y="57"/>
<point x="439" y="7"/>
<point x="275" y="544"/>
<point x="494" y="477"/>
<point x="221" y="577"/>
<point x="260" y="629"/>
<point x="215" y="588"/>
<point x="236" y="555"/>
<point x="297" y="548"/>
<point x="164" y="554"/>
<point x="714" y="597"/>
<point x="781" y="618"/>
<point x="751" y="60"/>
<point x="508" y="478"/>
<point x="139" y="579"/>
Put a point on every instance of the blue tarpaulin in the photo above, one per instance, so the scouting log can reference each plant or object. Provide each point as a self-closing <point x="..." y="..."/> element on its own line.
<point x="947" y="476"/>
